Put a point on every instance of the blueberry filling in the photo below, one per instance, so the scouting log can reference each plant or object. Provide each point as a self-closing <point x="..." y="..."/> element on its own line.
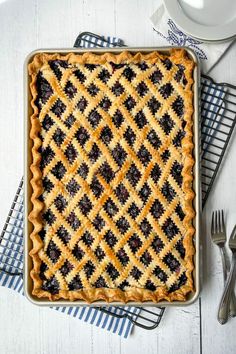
<point x="60" y="203"/>
<point x="157" y="244"/>
<point x="100" y="283"/>
<point x="146" y="258"/>
<point x="156" y="77"/>
<point x="111" y="270"/>
<point x="142" y="89"/>
<point x="69" y="121"/>
<point x="42" y="270"/>
<point x="157" y="209"/>
<point x="58" y="137"/>
<point x="171" y="262"/>
<point x="154" y="105"/>
<point x="51" y="285"/>
<point x="44" y="90"/>
<point x="70" y="90"/>
<point x="59" y="170"/>
<point x="80" y="76"/>
<point x="133" y="175"/>
<point x="72" y="187"/>
<point x="122" y="193"/>
<point x="129" y="74"/>
<point x="94" y="153"/>
<point x="78" y="252"/>
<point x="122" y="256"/>
<point x="104" y="75"/>
<point x="106" y="172"/>
<point x="83" y="170"/>
<point x="58" y="108"/>
<point x="73" y="221"/>
<point x="70" y="153"/>
<point x="129" y="103"/>
<point x="119" y="155"/>
<point x="166" y="123"/>
<point x="53" y="251"/>
<point x="170" y="229"/>
<point x="47" y="155"/>
<point x="144" y="155"/>
<point x="87" y="238"/>
<point x="98" y="223"/>
<point x="160" y="274"/>
<point x="110" y="238"/>
<point x="176" y="172"/>
<point x="135" y="272"/>
<point x="85" y="205"/>
<point x="63" y="234"/>
<point x="75" y="283"/>
<point x="117" y="89"/>
<point x="129" y="136"/>
<point x="118" y="118"/>
<point x="168" y="192"/>
<point x="82" y="136"/>
<point x="106" y="135"/>
<point x="82" y="104"/>
<point x="89" y="268"/>
<point x="140" y="119"/>
<point x="135" y="243"/>
<point x="47" y="122"/>
<point x="166" y="90"/>
<point x="145" y="227"/>
<point x="154" y="139"/>
<point x="178" y="106"/>
<point x="156" y="173"/>
<point x="105" y="104"/>
<point x="99" y="253"/>
<point x="110" y="207"/>
<point x="133" y="211"/>
<point x="96" y="187"/>
<point x="49" y="217"/>
<point x="122" y="225"/>
<point x="150" y="286"/>
<point x="93" y="90"/>
<point x="145" y="192"/>
<point x="94" y="118"/>
<point x="66" y="268"/>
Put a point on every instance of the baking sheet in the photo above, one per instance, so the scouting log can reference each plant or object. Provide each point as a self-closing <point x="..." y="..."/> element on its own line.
<point x="28" y="284"/>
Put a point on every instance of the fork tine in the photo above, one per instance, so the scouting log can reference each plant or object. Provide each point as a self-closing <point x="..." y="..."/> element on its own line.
<point x="223" y="220"/>
<point x="213" y="223"/>
<point x="217" y="221"/>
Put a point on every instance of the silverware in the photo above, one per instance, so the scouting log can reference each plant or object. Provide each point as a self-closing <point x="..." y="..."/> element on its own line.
<point x="223" y="312"/>
<point x="218" y="235"/>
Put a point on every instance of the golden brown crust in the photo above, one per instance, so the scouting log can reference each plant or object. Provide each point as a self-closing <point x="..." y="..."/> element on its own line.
<point x="108" y="294"/>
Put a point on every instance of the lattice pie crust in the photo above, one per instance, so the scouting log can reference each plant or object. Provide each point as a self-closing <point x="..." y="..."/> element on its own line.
<point x="112" y="176"/>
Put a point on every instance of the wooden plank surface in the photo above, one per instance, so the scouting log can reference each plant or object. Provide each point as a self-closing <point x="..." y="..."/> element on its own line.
<point x="29" y="24"/>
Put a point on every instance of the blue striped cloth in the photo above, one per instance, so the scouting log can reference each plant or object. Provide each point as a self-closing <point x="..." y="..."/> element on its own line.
<point x="11" y="244"/>
<point x="11" y="251"/>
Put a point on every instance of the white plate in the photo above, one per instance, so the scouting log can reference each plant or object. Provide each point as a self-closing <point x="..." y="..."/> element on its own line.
<point x="208" y="20"/>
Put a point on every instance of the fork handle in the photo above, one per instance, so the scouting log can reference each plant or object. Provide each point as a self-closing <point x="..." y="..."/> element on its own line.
<point x="225" y="264"/>
<point x="223" y="312"/>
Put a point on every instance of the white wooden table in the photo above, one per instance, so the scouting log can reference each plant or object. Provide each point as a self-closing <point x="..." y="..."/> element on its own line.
<point x="24" y="328"/>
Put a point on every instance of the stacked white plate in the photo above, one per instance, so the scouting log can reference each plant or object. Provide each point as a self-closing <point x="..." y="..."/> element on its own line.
<point x="207" y="20"/>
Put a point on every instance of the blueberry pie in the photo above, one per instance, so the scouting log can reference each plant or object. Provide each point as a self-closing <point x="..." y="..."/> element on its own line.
<point x="112" y="177"/>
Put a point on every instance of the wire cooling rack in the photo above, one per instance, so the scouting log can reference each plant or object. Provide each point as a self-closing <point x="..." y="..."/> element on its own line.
<point x="218" y="107"/>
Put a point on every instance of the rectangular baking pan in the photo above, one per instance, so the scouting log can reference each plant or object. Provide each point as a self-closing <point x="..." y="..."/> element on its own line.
<point x="28" y="190"/>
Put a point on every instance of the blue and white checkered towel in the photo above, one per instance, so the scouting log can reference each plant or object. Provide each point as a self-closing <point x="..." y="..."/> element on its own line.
<point x="11" y="242"/>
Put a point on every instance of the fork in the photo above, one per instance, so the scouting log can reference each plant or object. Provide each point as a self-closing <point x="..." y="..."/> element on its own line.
<point x="223" y="312"/>
<point x="218" y="235"/>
